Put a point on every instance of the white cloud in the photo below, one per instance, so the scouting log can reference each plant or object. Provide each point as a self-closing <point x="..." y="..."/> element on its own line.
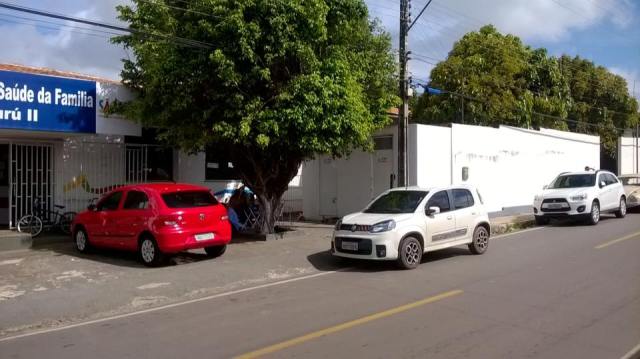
<point x="445" y="22"/>
<point x="65" y="48"/>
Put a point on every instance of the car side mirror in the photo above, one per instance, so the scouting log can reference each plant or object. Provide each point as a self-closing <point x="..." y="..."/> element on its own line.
<point x="432" y="211"/>
<point x="602" y="184"/>
<point x="545" y="186"/>
<point x="91" y="207"/>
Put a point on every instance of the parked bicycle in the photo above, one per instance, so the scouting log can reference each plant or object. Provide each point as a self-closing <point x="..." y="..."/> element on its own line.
<point x="42" y="218"/>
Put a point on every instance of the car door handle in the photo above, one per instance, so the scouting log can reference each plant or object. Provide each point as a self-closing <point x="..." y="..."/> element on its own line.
<point x="450" y="217"/>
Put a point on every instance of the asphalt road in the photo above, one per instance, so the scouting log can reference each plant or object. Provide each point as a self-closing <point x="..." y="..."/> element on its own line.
<point x="562" y="291"/>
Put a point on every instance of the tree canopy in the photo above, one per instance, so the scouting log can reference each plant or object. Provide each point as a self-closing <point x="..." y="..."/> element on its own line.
<point x="276" y="82"/>
<point x="506" y="82"/>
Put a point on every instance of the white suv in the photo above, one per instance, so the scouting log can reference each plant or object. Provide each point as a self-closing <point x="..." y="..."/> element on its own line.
<point x="403" y="223"/>
<point x="583" y="195"/>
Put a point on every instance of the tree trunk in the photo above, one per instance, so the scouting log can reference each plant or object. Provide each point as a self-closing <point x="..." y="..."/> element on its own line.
<point x="267" y="173"/>
<point x="270" y="211"/>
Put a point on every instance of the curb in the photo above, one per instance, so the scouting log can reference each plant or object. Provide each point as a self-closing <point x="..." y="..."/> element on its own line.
<point x="509" y="224"/>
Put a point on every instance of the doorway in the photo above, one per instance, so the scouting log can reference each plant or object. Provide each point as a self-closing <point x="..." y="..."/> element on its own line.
<point x="31" y="167"/>
<point x="4" y="185"/>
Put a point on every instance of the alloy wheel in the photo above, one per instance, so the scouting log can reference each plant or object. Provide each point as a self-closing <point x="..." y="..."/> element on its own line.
<point x="148" y="251"/>
<point x="81" y="241"/>
<point x="412" y="253"/>
<point x="482" y="239"/>
<point x="595" y="213"/>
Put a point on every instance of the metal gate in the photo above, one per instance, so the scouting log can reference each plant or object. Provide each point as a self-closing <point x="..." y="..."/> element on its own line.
<point x="95" y="166"/>
<point x="32" y="178"/>
<point x="136" y="163"/>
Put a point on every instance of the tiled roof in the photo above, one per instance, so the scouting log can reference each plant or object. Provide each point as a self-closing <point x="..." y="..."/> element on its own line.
<point x="51" y="72"/>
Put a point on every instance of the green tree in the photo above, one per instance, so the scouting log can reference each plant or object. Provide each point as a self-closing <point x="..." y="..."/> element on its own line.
<point x="509" y="80"/>
<point x="282" y="81"/>
<point x="514" y="84"/>
<point x="601" y="101"/>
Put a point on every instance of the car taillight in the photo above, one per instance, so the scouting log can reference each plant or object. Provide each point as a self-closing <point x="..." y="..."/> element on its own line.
<point x="171" y="221"/>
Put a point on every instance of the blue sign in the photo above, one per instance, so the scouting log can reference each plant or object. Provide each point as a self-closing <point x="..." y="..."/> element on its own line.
<point x="46" y="103"/>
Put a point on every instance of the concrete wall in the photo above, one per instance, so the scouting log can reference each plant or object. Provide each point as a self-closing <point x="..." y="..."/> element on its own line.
<point x="429" y="155"/>
<point x="334" y="187"/>
<point x="114" y="124"/>
<point x="628" y="152"/>
<point x="509" y="165"/>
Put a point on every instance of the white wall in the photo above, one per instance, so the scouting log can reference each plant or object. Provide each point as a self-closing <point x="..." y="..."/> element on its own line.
<point x="628" y="151"/>
<point x="354" y="177"/>
<point x="429" y="155"/>
<point x="114" y="124"/>
<point x="509" y="165"/>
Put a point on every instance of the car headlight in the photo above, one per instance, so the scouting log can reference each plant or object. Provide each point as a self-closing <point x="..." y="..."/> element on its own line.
<point x="338" y="224"/>
<point x="383" y="226"/>
<point x="579" y="197"/>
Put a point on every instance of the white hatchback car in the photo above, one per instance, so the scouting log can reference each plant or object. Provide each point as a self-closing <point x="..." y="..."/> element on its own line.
<point x="583" y="195"/>
<point x="403" y="223"/>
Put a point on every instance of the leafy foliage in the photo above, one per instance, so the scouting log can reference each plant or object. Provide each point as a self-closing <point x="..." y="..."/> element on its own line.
<point x="282" y="81"/>
<point x="509" y="83"/>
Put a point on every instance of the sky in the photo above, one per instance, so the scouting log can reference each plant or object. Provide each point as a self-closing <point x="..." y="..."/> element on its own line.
<point x="604" y="31"/>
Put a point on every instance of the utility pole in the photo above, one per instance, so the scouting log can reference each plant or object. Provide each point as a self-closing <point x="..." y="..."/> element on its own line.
<point x="637" y="133"/>
<point x="403" y="115"/>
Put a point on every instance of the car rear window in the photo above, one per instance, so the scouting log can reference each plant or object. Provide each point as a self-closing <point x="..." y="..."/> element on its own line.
<point x="189" y="199"/>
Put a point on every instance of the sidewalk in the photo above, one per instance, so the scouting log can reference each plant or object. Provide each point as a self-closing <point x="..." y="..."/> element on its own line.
<point x="52" y="284"/>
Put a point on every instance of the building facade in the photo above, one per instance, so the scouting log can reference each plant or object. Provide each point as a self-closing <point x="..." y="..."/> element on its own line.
<point x="59" y="146"/>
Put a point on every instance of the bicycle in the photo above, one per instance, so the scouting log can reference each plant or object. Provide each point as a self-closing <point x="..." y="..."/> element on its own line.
<point x="34" y="224"/>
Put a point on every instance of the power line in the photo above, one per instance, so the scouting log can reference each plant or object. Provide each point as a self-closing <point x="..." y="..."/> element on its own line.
<point x="33" y="21"/>
<point x="420" y="14"/>
<point x="183" y="41"/>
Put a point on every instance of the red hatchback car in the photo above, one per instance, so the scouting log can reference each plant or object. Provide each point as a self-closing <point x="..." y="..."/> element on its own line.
<point x="155" y="219"/>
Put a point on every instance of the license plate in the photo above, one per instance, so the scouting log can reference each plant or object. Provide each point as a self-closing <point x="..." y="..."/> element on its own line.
<point x="204" y="236"/>
<point x="557" y="205"/>
<point x="350" y="246"/>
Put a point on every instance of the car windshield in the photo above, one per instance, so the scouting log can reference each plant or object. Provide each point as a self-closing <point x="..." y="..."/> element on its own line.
<point x="397" y="202"/>
<point x="630" y="181"/>
<point x="573" y="181"/>
<point x="189" y="199"/>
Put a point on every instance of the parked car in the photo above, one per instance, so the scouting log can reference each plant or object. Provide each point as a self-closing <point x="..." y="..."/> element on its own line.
<point x="156" y="220"/>
<point x="631" y="184"/>
<point x="404" y="223"/>
<point x="582" y="195"/>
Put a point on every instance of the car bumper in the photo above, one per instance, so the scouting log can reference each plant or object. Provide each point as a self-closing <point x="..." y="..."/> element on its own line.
<point x="576" y="209"/>
<point x="181" y="240"/>
<point x="380" y="246"/>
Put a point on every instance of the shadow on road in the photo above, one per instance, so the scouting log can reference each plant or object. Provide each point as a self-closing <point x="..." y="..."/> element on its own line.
<point x="324" y="261"/>
<point x="569" y="222"/>
<point x="112" y="256"/>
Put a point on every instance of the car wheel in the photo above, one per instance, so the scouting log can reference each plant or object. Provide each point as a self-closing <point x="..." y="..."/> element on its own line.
<point x="215" y="251"/>
<point x="622" y="209"/>
<point x="480" y="240"/>
<point x="150" y="252"/>
<point x="541" y="221"/>
<point x="82" y="241"/>
<point x="409" y="253"/>
<point x="594" y="216"/>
